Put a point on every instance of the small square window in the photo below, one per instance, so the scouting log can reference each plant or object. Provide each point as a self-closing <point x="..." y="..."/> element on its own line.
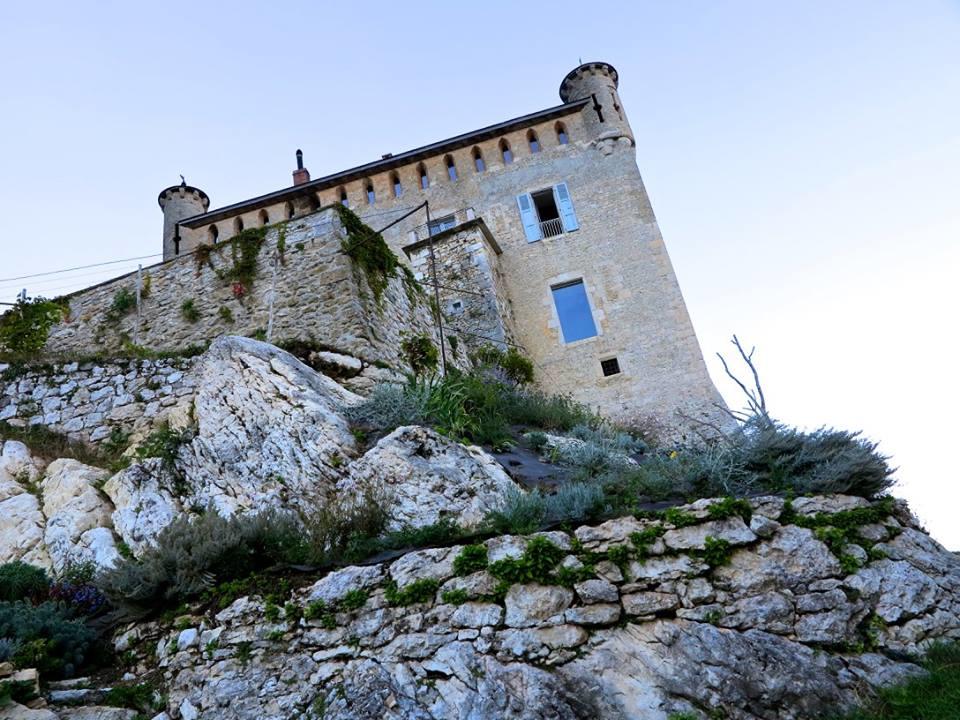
<point x="611" y="366"/>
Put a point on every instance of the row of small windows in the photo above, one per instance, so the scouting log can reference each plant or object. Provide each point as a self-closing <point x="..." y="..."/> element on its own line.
<point x="479" y="165"/>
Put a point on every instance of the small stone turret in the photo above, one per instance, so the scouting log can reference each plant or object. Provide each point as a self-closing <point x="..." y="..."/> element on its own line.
<point x="179" y="202"/>
<point x="604" y="117"/>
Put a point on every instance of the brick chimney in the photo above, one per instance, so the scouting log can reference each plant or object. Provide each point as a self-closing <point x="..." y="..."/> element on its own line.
<point x="301" y="174"/>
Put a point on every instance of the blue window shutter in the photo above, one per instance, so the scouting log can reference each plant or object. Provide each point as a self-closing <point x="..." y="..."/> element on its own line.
<point x="565" y="206"/>
<point x="528" y="216"/>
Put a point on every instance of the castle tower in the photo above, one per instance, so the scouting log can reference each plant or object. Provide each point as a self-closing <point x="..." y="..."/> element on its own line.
<point x="179" y="202"/>
<point x="605" y="117"/>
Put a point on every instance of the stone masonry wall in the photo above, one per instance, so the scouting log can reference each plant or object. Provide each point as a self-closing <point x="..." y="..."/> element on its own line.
<point x="87" y="400"/>
<point x="475" y="306"/>
<point x="319" y="295"/>
<point x="638" y="618"/>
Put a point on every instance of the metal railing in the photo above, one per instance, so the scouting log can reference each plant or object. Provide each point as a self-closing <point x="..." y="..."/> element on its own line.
<point x="550" y="228"/>
<point x="422" y="232"/>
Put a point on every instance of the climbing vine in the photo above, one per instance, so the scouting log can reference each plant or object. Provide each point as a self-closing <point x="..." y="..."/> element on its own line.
<point x="244" y="250"/>
<point x="371" y="254"/>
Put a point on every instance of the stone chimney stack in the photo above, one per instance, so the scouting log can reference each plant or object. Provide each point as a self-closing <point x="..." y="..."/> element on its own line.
<point x="301" y="175"/>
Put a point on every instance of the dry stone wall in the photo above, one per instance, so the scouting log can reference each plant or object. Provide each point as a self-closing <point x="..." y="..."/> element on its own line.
<point x="637" y="618"/>
<point x="86" y="400"/>
<point x="319" y="295"/>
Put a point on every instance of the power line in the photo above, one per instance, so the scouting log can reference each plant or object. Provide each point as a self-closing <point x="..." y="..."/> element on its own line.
<point x="80" y="267"/>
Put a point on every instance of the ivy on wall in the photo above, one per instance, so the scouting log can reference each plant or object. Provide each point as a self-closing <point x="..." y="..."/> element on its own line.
<point x="370" y="253"/>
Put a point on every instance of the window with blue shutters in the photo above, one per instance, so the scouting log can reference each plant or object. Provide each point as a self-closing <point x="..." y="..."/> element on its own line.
<point x="573" y="311"/>
<point x="547" y="213"/>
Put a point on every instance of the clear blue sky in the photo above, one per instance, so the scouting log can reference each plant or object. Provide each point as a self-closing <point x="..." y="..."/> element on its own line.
<point x="803" y="159"/>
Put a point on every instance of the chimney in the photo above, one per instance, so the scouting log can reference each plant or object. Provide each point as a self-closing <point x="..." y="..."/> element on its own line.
<point x="301" y="174"/>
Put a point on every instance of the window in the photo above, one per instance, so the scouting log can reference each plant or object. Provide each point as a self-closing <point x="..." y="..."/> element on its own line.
<point x="424" y="180"/>
<point x="289" y="208"/>
<point x="610" y="366"/>
<point x="397" y="186"/>
<point x="533" y="141"/>
<point x="506" y="152"/>
<point x="440" y="224"/>
<point x="314" y="202"/>
<point x="562" y="136"/>
<point x="371" y="195"/>
<point x="237" y="226"/>
<point x="213" y="233"/>
<point x="456" y="307"/>
<point x="573" y="310"/>
<point x="264" y="218"/>
<point x="478" y="163"/>
<point x="343" y="197"/>
<point x="451" y="168"/>
<point x="547" y="213"/>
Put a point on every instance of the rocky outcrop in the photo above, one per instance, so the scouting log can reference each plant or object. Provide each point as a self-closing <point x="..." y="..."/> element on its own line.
<point x="426" y="477"/>
<point x="624" y="625"/>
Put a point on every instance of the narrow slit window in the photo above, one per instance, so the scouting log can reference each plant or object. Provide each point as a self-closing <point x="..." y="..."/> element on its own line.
<point x="213" y="233"/>
<point x="397" y="185"/>
<point x="610" y="366"/>
<point x="573" y="311"/>
<point x="289" y="208"/>
<point x="506" y="152"/>
<point x="371" y="195"/>
<point x="562" y="137"/>
<point x="264" y="218"/>
<point x="478" y="163"/>
<point x="451" y="168"/>
<point x="533" y="141"/>
<point x="424" y="179"/>
<point x="237" y="226"/>
<point x="344" y="200"/>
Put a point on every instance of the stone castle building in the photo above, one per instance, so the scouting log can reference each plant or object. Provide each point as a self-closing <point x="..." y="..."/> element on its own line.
<point x="537" y="232"/>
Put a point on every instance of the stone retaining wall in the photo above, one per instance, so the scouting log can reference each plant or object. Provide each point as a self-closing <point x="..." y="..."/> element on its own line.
<point x="319" y="295"/>
<point x="86" y="400"/>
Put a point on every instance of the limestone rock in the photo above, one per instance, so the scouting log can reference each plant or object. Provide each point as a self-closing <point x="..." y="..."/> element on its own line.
<point x="270" y="432"/>
<point x="78" y="516"/>
<point x="146" y="501"/>
<point x="425" y="477"/>
<point x="338" y="583"/>
<point x="694" y="537"/>
<point x="21" y="530"/>
<point x="529" y="604"/>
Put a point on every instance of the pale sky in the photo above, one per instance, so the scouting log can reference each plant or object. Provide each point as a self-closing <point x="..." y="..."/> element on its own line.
<point x="803" y="159"/>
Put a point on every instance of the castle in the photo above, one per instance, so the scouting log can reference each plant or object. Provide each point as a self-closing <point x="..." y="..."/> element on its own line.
<point x="536" y="232"/>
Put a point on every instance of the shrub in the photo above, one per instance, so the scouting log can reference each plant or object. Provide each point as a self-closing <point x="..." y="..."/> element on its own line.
<point x="520" y="513"/>
<point x="388" y="407"/>
<point x="193" y="554"/>
<point x="226" y="314"/>
<point x="420" y="353"/>
<point x="346" y="528"/>
<point x="124" y="302"/>
<point x="454" y="597"/>
<point x="471" y="559"/>
<point x="419" y="591"/>
<point x="46" y="636"/>
<point x="75" y="588"/>
<point x="141" y="697"/>
<point x="510" y="365"/>
<point x="163" y="443"/>
<point x="20" y="581"/>
<point x="573" y="502"/>
<point x="535" y="565"/>
<point x="24" y="328"/>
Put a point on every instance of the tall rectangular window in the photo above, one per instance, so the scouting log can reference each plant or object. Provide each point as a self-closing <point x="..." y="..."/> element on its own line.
<point x="573" y="309"/>
<point x="547" y="213"/>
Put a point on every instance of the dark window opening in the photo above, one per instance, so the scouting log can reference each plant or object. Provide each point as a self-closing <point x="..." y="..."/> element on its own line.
<point x="371" y="195"/>
<point x="610" y="367"/>
<point x="213" y="233"/>
<point x="534" y="142"/>
<point x="478" y="163"/>
<point x="562" y="136"/>
<point x="424" y="180"/>
<point x="451" y="169"/>
<point x="237" y="226"/>
<point x="314" y="202"/>
<point x="397" y="185"/>
<point x="545" y="203"/>
<point x="597" y="107"/>
<point x="506" y="152"/>
<point x="343" y="198"/>
<point x="264" y="218"/>
<point x="289" y="207"/>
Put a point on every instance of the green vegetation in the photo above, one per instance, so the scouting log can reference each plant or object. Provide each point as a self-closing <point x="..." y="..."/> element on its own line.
<point x="24" y="327"/>
<point x="373" y="257"/>
<point x="716" y="552"/>
<point x="244" y="252"/>
<point x="45" y="636"/>
<point x="141" y="697"/>
<point x="226" y="314"/>
<point x="471" y="559"/>
<point x="46" y="443"/>
<point x="454" y="597"/>
<point x="189" y="311"/>
<point x="934" y="696"/>
<point x="419" y="591"/>
<point x="20" y="581"/>
<point x="163" y="443"/>
<point x="420" y="353"/>
<point x="511" y="366"/>
<point x="124" y="303"/>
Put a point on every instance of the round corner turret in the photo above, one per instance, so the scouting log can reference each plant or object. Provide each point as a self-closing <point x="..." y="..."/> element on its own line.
<point x="179" y="202"/>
